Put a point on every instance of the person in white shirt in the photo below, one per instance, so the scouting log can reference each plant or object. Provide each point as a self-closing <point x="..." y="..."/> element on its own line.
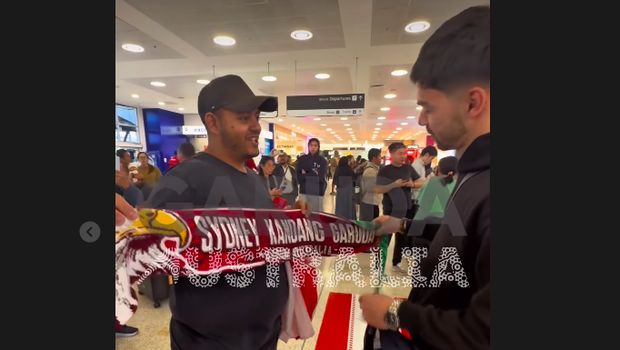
<point x="287" y="178"/>
<point x="369" y="208"/>
<point x="419" y="165"/>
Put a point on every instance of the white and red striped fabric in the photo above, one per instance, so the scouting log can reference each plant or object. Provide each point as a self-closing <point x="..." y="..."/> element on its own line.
<point x="343" y="326"/>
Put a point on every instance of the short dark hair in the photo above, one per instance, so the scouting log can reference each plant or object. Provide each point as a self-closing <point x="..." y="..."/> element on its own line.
<point x="121" y="152"/>
<point x="396" y="146"/>
<point x="187" y="150"/>
<point x="373" y="152"/>
<point x="457" y="53"/>
<point x="429" y="150"/>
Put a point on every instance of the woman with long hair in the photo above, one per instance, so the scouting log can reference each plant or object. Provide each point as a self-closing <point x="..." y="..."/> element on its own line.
<point x="266" y="166"/>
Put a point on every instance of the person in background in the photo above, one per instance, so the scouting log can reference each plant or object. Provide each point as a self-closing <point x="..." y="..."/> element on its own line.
<point x="124" y="181"/>
<point x="312" y="175"/>
<point x="148" y="175"/>
<point x="266" y="167"/>
<point x="127" y="197"/>
<point x="287" y="178"/>
<point x="185" y="152"/>
<point x="333" y="164"/>
<point x="394" y="181"/>
<point x="419" y="165"/>
<point x="432" y="201"/>
<point x="369" y="206"/>
<point x="358" y="160"/>
<point x="453" y="83"/>
<point x="343" y="179"/>
<point x="174" y="161"/>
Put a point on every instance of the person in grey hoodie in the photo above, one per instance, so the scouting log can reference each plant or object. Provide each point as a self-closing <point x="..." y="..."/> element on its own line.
<point x="311" y="172"/>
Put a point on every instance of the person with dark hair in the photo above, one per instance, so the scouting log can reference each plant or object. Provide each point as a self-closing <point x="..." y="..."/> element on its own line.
<point x="126" y="198"/>
<point x="222" y="316"/>
<point x="185" y="152"/>
<point x="148" y="175"/>
<point x="394" y="181"/>
<point x="343" y="178"/>
<point x="369" y="206"/>
<point x="432" y="201"/>
<point x="266" y="167"/>
<point x="287" y="178"/>
<point x="419" y="165"/>
<point x="452" y="74"/>
<point x="312" y="175"/>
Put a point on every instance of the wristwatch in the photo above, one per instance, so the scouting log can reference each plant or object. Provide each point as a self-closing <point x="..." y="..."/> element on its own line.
<point x="391" y="318"/>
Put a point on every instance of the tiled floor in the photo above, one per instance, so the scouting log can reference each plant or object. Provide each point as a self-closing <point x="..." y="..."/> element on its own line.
<point x="153" y="322"/>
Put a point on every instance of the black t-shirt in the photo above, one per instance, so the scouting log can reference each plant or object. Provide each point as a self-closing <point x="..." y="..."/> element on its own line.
<point x="239" y="318"/>
<point x="397" y="201"/>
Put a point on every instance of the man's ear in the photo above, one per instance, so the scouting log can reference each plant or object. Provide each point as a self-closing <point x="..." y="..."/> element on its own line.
<point x="211" y="122"/>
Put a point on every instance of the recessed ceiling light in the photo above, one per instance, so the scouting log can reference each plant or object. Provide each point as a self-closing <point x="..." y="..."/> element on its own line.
<point x="347" y="124"/>
<point x="404" y="123"/>
<point x="301" y="34"/>
<point x="132" y="48"/>
<point x="181" y="109"/>
<point x="380" y="118"/>
<point x="317" y="118"/>
<point x="411" y="117"/>
<point x="158" y="83"/>
<point x="349" y="128"/>
<point x="377" y="128"/>
<point x="417" y="26"/>
<point x="323" y="124"/>
<point x="385" y="109"/>
<point x="135" y="95"/>
<point x="161" y="103"/>
<point x="322" y="76"/>
<point x="224" y="40"/>
<point x="344" y="118"/>
<point x="399" y="128"/>
<point x="390" y="95"/>
<point x="419" y="108"/>
<point x="203" y="81"/>
<point x="269" y="78"/>
<point x="399" y="72"/>
<point x="328" y="129"/>
<point x="379" y="124"/>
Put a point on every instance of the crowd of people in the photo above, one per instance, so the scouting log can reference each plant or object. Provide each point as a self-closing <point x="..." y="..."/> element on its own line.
<point x="413" y="198"/>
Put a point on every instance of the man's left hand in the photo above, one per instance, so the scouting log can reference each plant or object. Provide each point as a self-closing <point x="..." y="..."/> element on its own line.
<point x="374" y="308"/>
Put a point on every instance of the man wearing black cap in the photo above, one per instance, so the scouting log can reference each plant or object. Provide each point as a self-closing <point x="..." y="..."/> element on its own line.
<point x="221" y="316"/>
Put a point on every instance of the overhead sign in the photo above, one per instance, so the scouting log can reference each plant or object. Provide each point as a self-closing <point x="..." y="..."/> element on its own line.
<point x="326" y="105"/>
<point x="194" y="130"/>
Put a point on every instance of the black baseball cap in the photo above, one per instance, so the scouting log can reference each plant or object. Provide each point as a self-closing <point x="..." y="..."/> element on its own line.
<point x="232" y="93"/>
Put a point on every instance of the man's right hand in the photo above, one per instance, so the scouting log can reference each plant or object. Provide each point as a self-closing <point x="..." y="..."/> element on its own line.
<point x="124" y="211"/>
<point x="400" y="183"/>
<point x="387" y="224"/>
